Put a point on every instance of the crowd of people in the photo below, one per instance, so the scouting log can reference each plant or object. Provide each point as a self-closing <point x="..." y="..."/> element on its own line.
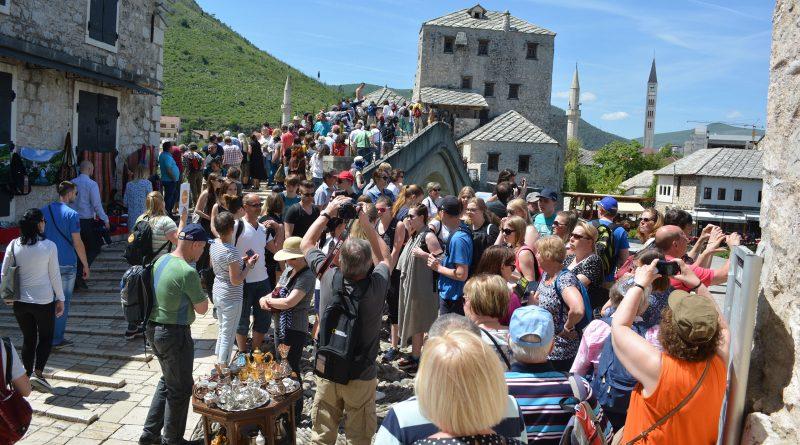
<point x="515" y="313"/>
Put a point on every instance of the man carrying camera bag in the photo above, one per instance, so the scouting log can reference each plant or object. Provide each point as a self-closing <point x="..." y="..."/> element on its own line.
<point x="352" y="296"/>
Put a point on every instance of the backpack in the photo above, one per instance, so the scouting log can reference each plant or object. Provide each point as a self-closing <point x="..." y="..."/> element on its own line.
<point x="611" y="382"/>
<point x="604" y="246"/>
<point x="335" y="358"/>
<point x="139" y="249"/>
<point x="195" y="165"/>
<point x="137" y="293"/>
<point x="583" y="427"/>
<point x="15" y="411"/>
<point x="587" y="303"/>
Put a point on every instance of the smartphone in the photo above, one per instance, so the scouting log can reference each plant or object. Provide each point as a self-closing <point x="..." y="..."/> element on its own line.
<point x="668" y="268"/>
<point x="250" y="252"/>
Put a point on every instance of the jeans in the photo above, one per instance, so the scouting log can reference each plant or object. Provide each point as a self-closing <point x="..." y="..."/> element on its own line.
<point x="91" y="242"/>
<point x="195" y="180"/>
<point x="67" y="284"/>
<point x="174" y="348"/>
<point x="170" y="195"/>
<point x="451" y="306"/>
<point x="229" y="311"/>
<point x="268" y="167"/>
<point x="36" y="321"/>
<point x="261" y="318"/>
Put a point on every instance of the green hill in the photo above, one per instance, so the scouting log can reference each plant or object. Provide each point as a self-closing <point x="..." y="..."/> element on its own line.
<point x="214" y="78"/>
<point x="592" y="138"/>
<point x="349" y="89"/>
<point x="679" y="137"/>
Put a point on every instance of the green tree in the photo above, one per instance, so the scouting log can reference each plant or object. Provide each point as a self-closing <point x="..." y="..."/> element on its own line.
<point x="575" y="174"/>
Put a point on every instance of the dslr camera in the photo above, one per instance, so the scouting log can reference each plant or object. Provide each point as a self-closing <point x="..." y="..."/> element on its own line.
<point x="348" y="210"/>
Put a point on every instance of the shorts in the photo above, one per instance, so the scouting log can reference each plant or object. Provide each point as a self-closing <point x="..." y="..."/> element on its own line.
<point x="261" y="318"/>
<point x="451" y="306"/>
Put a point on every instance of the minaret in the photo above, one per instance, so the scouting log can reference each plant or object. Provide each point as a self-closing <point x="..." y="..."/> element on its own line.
<point x="574" y="109"/>
<point x="650" y="114"/>
<point x="286" y="108"/>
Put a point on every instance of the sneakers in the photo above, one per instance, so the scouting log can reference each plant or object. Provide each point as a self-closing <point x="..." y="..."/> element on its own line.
<point x="391" y="354"/>
<point x="40" y="384"/>
<point x="132" y="334"/>
<point x="147" y="440"/>
<point x="64" y="343"/>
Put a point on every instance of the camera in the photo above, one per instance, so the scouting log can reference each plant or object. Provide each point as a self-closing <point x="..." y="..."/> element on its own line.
<point x="348" y="210"/>
<point x="668" y="268"/>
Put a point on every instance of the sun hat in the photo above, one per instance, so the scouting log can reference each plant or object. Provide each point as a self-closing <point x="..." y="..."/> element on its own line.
<point x="695" y="316"/>
<point x="291" y="249"/>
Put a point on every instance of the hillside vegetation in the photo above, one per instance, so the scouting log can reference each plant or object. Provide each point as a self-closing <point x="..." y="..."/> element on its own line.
<point x="214" y="78"/>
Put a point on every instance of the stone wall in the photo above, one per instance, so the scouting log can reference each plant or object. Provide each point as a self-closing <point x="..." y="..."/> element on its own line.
<point x="505" y="63"/>
<point x="546" y="165"/>
<point x="774" y="384"/>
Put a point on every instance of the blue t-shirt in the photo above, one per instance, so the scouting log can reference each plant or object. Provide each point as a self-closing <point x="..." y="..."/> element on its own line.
<point x="459" y="251"/>
<point x="168" y="167"/>
<point x="323" y="127"/>
<point x="67" y="221"/>
<point x="544" y="225"/>
<point x="620" y="243"/>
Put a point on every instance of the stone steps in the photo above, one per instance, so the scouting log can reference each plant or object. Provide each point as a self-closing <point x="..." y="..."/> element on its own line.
<point x="83" y="416"/>
<point x="102" y="314"/>
<point x="72" y="329"/>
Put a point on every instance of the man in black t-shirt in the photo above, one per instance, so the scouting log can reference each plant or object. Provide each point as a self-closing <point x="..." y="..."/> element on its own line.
<point x="300" y="216"/>
<point x="502" y="192"/>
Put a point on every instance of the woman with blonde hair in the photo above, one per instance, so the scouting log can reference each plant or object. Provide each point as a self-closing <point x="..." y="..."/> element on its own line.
<point x="525" y="261"/>
<point x="462" y="400"/>
<point x="136" y="191"/>
<point x="465" y="195"/>
<point x="649" y="221"/>
<point x="165" y="231"/>
<point x="518" y="207"/>
<point x="584" y="262"/>
<point x="485" y="303"/>
<point x="410" y="195"/>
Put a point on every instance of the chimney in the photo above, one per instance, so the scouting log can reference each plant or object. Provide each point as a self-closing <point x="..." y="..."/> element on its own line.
<point x="507" y="21"/>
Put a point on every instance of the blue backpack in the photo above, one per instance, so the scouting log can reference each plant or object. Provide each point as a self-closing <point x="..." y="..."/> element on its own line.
<point x="611" y="382"/>
<point x="587" y="303"/>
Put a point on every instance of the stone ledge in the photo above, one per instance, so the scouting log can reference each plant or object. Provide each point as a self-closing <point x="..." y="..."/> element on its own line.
<point x="61" y="413"/>
<point x="77" y="330"/>
<point x="105" y="353"/>
<point x="87" y="379"/>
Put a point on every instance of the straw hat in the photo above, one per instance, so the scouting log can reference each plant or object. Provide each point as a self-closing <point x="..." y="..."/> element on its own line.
<point x="291" y="249"/>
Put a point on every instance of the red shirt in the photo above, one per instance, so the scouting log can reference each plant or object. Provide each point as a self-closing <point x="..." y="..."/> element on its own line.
<point x="287" y="140"/>
<point x="176" y="155"/>
<point x="705" y="275"/>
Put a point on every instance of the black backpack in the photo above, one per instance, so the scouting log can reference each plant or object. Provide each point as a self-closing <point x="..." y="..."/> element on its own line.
<point x="139" y="249"/>
<point x="137" y="293"/>
<point x="335" y="358"/>
<point x="605" y="246"/>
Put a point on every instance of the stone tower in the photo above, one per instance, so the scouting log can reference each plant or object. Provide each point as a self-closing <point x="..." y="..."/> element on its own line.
<point x="650" y="114"/>
<point x="286" y="107"/>
<point x="574" y="110"/>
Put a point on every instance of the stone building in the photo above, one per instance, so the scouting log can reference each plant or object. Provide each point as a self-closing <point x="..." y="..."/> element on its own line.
<point x="512" y="141"/>
<point x="382" y="94"/>
<point x="637" y="185"/>
<point x="506" y="60"/>
<point x="169" y="127"/>
<point x="92" y="68"/>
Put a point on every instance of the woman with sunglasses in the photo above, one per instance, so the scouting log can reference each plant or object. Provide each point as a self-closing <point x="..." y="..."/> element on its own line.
<point x="499" y="260"/>
<point x="650" y="221"/>
<point x="418" y="304"/>
<point x="409" y="196"/>
<point x="518" y="207"/>
<point x="394" y="235"/>
<point x="584" y="262"/>
<point x="527" y="268"/>
<point x="563" y="224"/>
<point x="484" y="224"/>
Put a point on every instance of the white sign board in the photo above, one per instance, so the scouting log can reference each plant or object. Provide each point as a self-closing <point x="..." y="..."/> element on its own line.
<point x="183" y="198"/>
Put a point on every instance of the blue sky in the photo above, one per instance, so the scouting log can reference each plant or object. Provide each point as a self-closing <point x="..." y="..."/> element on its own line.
<point x="712" y="56"/>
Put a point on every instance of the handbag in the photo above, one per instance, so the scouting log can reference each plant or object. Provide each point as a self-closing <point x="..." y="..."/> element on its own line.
<point x="9" y="286"/>
<point x="280" y="174"/>
<point x="15" y="411"/>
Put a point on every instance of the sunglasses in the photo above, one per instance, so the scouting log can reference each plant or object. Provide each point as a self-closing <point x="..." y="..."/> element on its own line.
<point x="259" y="205"/>
<point x="641" y="220"/>
<point x="308" y="195"/>
<point x="436" y="190"/>
<point x="381" y="209"/>
<point x="508" y="231"/>
<point x="558" y="224"/>
<point x="576" y="236"/>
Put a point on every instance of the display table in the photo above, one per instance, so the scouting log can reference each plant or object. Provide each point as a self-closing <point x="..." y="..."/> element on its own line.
<point x="264" y="418"/>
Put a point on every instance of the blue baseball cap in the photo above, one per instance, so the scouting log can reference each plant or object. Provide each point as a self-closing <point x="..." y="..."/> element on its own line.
<point x="531" y="322"/>
<point x="194" y="232"/>
<point x="608" y="203"/>
<point x="549" y="194"/>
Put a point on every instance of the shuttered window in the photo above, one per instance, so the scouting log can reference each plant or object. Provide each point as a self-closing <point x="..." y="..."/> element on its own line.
<point x="103" y="21"/>
<point x="97" y="122"/>
<point x="7" y="97"/>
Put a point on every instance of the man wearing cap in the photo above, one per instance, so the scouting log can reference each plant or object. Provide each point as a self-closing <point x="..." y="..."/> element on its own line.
<point x="688" y="374"/>
<point x="345" y="182"/>
<point x="606" y="211"/>
<point x="178" y="295"/>
<point x="453" y="270"/>
<point x="533" y="203"/>
<point x="673" y="243"/>
<point x="543" y="222"/>
<point x="534" y="382"/>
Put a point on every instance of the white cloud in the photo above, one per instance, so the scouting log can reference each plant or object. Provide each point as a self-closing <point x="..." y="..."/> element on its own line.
<point x="734" y="114"/>
<point x="562" y="94"/>
<point x="588" y="96"/>
<point x="615" y="116"/>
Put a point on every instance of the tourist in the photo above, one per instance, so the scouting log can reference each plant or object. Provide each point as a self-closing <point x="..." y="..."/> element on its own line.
<point x="502" y="194"/>
<point x="357" y="171"/>
<point x="465" y="194"/>
<point x="585" y="264"/>
<point x="235" y="174"/>
<point x="178" y="295"/>
<point x="256" y="168"/>
<point x="362" y="264"/>
<point x="316" y="167"/>
<point x="170" y="176"/>
<point x="136" y="191"/>
<point x="397" y="177"/>
<point x="499" y="260"/>
<point x="62" y="227"/>
<point x="213" y="161"/>
<point x="324" y="192"/>
<point x="339" y="148"/>
<point x="41" y="295"/>
<point x="485" y="228"/>
<point x="206" y="200"/>
<point x="395" y="236"/>
<point x="543" y="222"/>
<point x="380" y="179"/>
<point x="361" y="140"/>
<point x="649" y="221"/>
<point x="432" y="201"/>
<point x="89" y="206"/>
<point x="292" y="297"/>
<point x="228" y="202"/>
<point x="453" y="270"/>
<point x="409" y="196"/>
<point x="532" y="200"/>
<point x="254" y="236"/>
<point x="673" y="242"/>
<point x="300" y="216"/>
<point x="192" y="163"/>
<point x="388" y="136"/>
<point x="606" y="211"/>
<point x="536" y="384"/>
<point x="418" y="303"/>
<point x="448" y="378"/>
<point x="485" y="303"/>
<point x="163" y="228"/>
<point x="525" y="261"/>
<point x="559" y="288"/>
<point x="231" y="154"/>
<point x="517" y="207"/>
<point x="689" y="374"/>
<point x="564" y="224"/>
<point x="19" y="381"/>
<point x="344" y="182"/>
<point x="272" y="211"/>
<point x="404" y="424"/>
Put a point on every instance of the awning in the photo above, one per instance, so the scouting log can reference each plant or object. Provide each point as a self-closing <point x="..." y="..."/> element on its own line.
<point x="629" y="207"/>
<point x="752" y="216"/>
<point x="717" y="215"/>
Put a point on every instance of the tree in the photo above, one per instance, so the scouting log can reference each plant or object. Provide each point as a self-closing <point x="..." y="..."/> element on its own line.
<point x="575" y="174"/>
<point x="618" y="161"/>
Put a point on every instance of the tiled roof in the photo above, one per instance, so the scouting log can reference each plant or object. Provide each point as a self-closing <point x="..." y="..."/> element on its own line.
<point x="509" y="127"/>
<point x="441" y="96"/>
<point x="643" y="179"/>
<point x="493" y="21"/>
<point x="719" y="162"/>
<point x="385" y="94"/>
<point x="586" y="157"/>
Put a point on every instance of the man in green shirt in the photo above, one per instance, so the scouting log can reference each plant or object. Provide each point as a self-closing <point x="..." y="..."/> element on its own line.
<point x="178" y="296"/>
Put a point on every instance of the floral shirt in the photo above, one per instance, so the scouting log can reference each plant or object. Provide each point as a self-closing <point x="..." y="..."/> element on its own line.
<point x="550" y="299"/>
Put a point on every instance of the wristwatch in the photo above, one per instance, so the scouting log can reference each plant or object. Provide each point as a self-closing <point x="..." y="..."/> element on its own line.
<point x="639" y="286"/>
<point x="325" y="215"/>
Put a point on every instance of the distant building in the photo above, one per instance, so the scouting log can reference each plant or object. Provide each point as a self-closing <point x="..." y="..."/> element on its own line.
<point x="717" y="185"/>
<point x="638" y="185"/>
<point x="383" y="94"/>
<point x="650" y="110"/>
<point x="169" y="127"/>
<point x="701" y="139"/>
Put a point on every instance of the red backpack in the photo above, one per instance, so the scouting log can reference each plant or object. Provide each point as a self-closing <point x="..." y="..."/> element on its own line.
<point x="584" y="427"/>
<point x="15" y="411"/>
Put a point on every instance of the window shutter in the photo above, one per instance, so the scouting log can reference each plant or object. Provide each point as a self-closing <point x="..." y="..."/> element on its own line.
<point x="107" y="123"/>
<point x="110" y="22"/>
<point x="96" y="20"/>
<point x="87" y="121"/>
<point x="6" y="97"/>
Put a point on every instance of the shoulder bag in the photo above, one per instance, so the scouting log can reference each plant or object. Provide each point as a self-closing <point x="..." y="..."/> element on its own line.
<point x="498" y="348"/>
<point x="15" y="411"/>
<point x="9" y="286"/>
